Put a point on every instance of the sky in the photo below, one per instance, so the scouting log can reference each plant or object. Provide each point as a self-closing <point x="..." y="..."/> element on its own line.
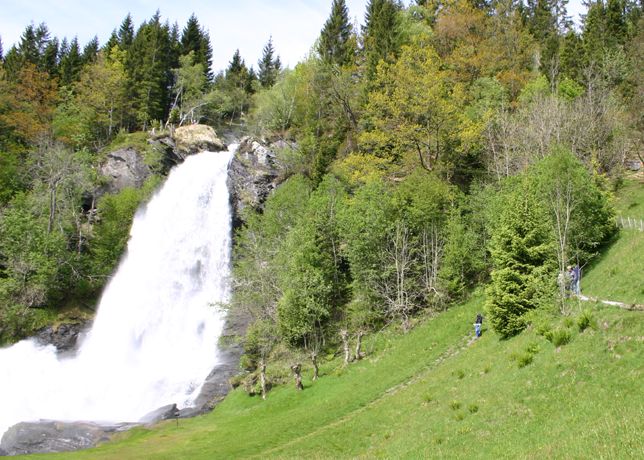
<point x="238" y="24"/>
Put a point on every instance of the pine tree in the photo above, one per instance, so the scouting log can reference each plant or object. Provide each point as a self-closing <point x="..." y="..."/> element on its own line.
<point x="381" y="33"/>
<point x="194" y="38"/>
<point x="335" y="44"/>
<point x="269" y="67"/>
<point x="1" y="54"/>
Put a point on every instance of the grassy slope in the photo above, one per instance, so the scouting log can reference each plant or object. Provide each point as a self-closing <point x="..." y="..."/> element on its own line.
<point x="618" y="272"/>
<point x="434" y="393"/>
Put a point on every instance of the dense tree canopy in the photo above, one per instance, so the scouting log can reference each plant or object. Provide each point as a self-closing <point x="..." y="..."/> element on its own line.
<point x="438" y="146"/>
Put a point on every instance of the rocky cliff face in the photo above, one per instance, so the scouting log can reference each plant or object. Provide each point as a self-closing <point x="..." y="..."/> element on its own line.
<point x="254" y="173"/>
<point x="124" y="168"/>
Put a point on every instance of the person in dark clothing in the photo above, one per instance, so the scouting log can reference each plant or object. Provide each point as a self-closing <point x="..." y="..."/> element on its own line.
<point x="477" y="324"/>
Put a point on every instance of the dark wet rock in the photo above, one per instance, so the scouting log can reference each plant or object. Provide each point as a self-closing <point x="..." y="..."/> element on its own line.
<point x="124" y="168"/>
<point x="162" y="413"/>
<point x="253" y="174"/>
<point x="63" y="336"/>
<point x="217" y="384"/>
<point x="51" y="436"/>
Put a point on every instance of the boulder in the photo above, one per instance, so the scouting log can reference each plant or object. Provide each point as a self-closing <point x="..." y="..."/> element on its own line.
<point x="50" y="436"/>
<point x="63" y="336"/>
<point x="196" y="138"/>
<point x="162" y="413"/>
<point x="124" y="168"/>
<point x="253" y="174"/>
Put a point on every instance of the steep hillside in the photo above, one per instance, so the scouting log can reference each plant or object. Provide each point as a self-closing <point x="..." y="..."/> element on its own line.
<point x="563" y="388"/>
<point x="617" y="274"/>
<point x="436" y="393"/>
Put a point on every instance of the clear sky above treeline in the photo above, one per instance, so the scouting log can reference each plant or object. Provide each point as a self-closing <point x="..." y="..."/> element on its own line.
<point x="243" y="24"/>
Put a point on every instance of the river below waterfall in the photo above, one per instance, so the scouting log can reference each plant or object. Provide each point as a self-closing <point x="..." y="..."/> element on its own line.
<point x="154" y="339"/>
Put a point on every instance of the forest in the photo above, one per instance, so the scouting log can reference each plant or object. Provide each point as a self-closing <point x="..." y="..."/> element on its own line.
<point x="436" y="147"/>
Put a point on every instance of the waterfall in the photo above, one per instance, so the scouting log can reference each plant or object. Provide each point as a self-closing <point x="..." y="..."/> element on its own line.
<point x="154" y="338"/>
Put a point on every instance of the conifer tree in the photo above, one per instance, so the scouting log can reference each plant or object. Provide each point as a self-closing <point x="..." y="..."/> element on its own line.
<point x="269" y="67"/>
<point x="236" y="64"/>
<point x="1" y="54"/>
<point x="90" y="51"/>
<point x="523" y="266"/>
<point x="195" y="38"/>
<point x="381" y="33"/>
<point x="111" y="42"/>
<point x="50" y="57"/>
<point x="149" y="69"/>
<point x="335" y="44"/>
<point x="126" y="33"/>
<point x="71" y="62"/>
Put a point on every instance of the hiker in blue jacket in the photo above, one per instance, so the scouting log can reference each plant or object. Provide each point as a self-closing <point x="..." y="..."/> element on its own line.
<point x="478" y="324"/>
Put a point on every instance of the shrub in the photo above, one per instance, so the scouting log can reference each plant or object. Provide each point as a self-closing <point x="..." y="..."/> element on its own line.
<point x="559" y="336"/>
<point x="585" y="321"/>
<point x="523" y="359"/>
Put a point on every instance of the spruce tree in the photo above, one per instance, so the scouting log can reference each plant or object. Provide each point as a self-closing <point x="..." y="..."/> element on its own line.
<point x="194" y="38"/>
<point x="381" y="33"/>
<point x="1" y="54"/>
<point x="126" y="33"/>
<point x="71" y="62"/>
<point x="149" y="70"/>
<point x="522" y="251"/>
<point x="90" y="51"/>
<point x="50" y="57"/>
<point x="335" y="45"/>
<point x="111" y="42"/>
<point x="269" y="67"/>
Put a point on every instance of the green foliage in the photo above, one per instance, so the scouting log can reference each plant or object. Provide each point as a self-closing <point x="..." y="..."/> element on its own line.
<point x="526" y="356"/>
<point x="111" y="234"/>
<point x="269" y="66"/>
<point x="585" y="320"/>
<point x="559" y="336"/>
<point x="410" y="113"/>
<point x="312" y="278"/>
<point x="366" y="222"/>
<point x="337" y="45"/>
<point x="382" y="33"/>
<point x="521" y="250"/>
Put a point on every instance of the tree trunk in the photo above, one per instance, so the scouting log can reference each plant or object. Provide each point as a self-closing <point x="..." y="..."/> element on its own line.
<point x="297" y="372"/>
<point x="344" y="334"/>
<point x="359" y="354"/>
<point x="316" y="369"/>
<point x="262" y="377"/>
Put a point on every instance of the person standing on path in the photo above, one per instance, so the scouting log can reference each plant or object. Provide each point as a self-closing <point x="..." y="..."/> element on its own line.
<point x="478" y="324"/>
<point x="576" y="279"/>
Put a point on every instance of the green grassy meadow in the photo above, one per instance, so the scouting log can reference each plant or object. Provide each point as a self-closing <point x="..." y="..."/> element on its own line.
<point x="435" y="393"/>
<point x="618" y="273"/>
<point x="438" y="393"/>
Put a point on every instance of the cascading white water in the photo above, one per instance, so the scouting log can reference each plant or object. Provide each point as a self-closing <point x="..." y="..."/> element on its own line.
<point x="154" y="339"/>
